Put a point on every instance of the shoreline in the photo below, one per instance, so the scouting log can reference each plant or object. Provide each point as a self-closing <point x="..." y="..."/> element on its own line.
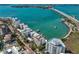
<point x="69" y="29"/>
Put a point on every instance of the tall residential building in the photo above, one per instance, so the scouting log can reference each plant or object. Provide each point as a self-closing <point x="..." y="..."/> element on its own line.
<point x="37" y="38"/>
<point x="1" y="33"/>
<point x="55" y="46"/>
<point x="16" y="22"/>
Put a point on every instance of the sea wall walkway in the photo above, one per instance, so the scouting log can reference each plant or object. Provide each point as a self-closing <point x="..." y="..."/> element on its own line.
<point x="70" y="29"/>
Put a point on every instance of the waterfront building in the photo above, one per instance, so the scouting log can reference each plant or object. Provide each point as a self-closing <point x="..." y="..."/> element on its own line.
<point x="34" y="36"/>
<point x="16" y="22"/>
<point x="1" y="33"/>
<point x="55" y="46"/>
<point x="23" y="26"/>
<point x="38" y="39"/>
<point x="30" y="39"/>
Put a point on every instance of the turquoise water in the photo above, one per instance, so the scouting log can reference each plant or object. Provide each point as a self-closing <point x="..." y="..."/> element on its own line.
<point x="44" y="20"/>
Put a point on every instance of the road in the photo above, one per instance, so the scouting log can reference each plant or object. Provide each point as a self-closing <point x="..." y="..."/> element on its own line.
<point x="64" y="15"/>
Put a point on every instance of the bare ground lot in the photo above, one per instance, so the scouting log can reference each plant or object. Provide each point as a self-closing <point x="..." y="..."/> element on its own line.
<point x="72" y="42"/>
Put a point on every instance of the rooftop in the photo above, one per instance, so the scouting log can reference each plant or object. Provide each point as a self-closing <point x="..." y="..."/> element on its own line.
<point x="56" y="41"/>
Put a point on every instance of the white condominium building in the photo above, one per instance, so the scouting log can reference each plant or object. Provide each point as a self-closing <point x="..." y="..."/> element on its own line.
<point x="38" y="39"/>
<point x="55" y="46"/>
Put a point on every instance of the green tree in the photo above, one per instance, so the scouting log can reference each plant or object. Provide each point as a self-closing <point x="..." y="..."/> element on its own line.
<point x="63" y="39"/>
<point x="1" y="45"/>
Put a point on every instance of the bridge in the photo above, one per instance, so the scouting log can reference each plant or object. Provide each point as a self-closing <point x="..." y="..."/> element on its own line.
<point x="64" y="15"/>
<point x="67" y="16"/>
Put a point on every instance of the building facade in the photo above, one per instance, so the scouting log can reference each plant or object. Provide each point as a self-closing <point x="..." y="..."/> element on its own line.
<point x="55" y="46"/>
